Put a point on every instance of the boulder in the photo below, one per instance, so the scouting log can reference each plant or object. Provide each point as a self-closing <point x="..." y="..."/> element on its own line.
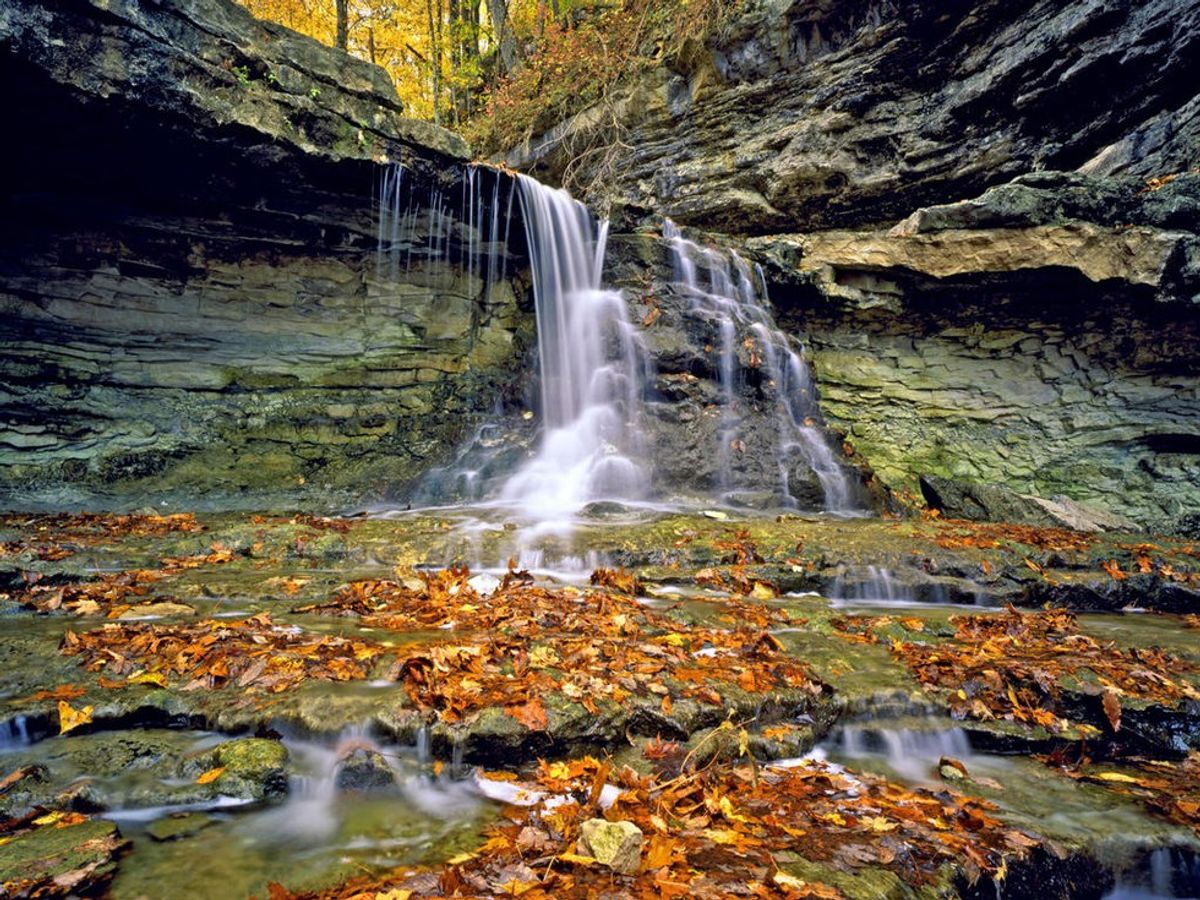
<point x="362" y="769"/>
<point x="617" y="845"/>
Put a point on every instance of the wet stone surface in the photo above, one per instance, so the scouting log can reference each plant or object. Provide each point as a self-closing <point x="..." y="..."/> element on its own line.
<point x="382" y="680"/>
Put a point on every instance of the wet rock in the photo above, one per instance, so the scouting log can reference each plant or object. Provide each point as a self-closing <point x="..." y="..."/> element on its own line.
<point x="362" y="769"/>
<point x="800" y="117"/>
<point x="300" y="377"/>
<point x="996" y="503"/>
<point x="61" y="859"/>
<point x="604" y="509"/>
<point x="617" y="845"/>
<point x="255" y="768"/>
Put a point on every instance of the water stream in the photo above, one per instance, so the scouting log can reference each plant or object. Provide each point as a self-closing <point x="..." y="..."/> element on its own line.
<point x="727" y="292"/>
<point x="593" y="371"/>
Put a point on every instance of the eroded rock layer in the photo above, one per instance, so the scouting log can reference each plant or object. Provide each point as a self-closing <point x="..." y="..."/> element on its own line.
<point x="189" y="282"/>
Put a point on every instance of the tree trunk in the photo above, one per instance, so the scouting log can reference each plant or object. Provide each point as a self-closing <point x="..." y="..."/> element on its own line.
<point x="506" y="44"/>
<point x="343" y="23"/>
<point x="435" y="56"/>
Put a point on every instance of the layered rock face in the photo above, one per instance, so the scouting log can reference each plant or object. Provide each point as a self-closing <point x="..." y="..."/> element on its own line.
<point x="192" y="299"/>
<point x="805" y="115"/>
<point x="1055" y="356"/>
<point x="1038" y="338"/>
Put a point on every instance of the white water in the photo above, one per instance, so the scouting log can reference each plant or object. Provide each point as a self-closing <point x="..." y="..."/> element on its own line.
<point x="590" y="365"/>
<point x="593" y="371"/>
<point x="733" y="297"/>
<point x="911" y="753"/>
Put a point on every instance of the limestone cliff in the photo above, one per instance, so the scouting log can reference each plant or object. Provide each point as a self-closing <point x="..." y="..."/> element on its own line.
<point x="1039" y="337"/>
<point x="189" y="295"/>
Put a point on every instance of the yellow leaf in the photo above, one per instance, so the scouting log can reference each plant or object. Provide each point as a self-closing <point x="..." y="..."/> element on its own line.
<point x="675" y="639"/>
<point x="70" y="718"/>
<point x="394" y="894"/>
<point x="211" y="775"/>
<point x="460" y="859"/>
<point x="543" y="657"/>
<point x="148" y="678"/>
<point x="721" y="835"/>
<point x="517" y="888"/>
<point x="1117" y="776"/>
<point x="783" y="879"/>
<point x="763" y="591"/>
<point x="879" y="824"/>
<point x="49" y="818"/>
<point x="728" y="812"/>
<point x="577" y="859"/>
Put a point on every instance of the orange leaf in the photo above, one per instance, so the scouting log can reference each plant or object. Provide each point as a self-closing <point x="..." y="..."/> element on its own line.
<point x="531" y="714"/>
<point x="211" y="775"/>
<point x="1114" y="570"/>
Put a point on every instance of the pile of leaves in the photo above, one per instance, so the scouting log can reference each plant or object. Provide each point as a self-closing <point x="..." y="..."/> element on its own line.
<point x="116" y="593"/>
<point x="254" y="654"/>
<point x="1015" y="666"/>
<point x="95" y="527"/>
<point x="957" y="534"/>
<point x="1170" y="789"/>
<point x="511" y="648"/>
<point x="726" y="830"/>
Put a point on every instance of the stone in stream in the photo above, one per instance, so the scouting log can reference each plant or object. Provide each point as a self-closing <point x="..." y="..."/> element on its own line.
<point x="255" y="768"/>
<point x="484" y="584"/>
<point x="61" y="858"/>
<point x="617" y="845"/>
<point x="361" y="769"/>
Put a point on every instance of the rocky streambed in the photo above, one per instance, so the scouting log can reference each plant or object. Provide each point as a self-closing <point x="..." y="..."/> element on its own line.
<point x="224" y="687"/>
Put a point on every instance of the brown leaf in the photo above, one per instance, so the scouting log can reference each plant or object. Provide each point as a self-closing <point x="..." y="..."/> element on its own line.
<point x="1112" y="709"/>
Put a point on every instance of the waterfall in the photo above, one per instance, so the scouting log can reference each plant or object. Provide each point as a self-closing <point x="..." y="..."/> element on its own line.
<point x="730" y="298"/>
<point x="590" y="366"/>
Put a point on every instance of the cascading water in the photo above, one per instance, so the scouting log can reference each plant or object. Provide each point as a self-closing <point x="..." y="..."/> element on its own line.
<point x="730" y="299"/>
<point x="593" y="371"/>
<point x="590" y="366"/>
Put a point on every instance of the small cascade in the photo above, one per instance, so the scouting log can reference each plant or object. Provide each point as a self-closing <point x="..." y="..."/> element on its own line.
<point x="870" y="584"/>
<point x="912" y="753"/>
<point x="14" y="734"/>
<point x="731" y="296"/>
<point x="591" y="367"/>
<point x="461" y="222"/>
<point x="1164" y="872"/>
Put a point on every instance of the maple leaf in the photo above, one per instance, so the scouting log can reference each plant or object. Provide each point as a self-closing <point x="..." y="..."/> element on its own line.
<point x="531" y="714"/>
<point x="70" y="718"/>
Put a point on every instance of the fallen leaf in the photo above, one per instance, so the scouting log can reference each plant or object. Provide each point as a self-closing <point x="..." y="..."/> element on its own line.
<point x="69" y="718"/>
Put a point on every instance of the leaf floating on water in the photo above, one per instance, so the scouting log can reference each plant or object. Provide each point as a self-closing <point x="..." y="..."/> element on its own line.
<point x="70" y="718"/>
